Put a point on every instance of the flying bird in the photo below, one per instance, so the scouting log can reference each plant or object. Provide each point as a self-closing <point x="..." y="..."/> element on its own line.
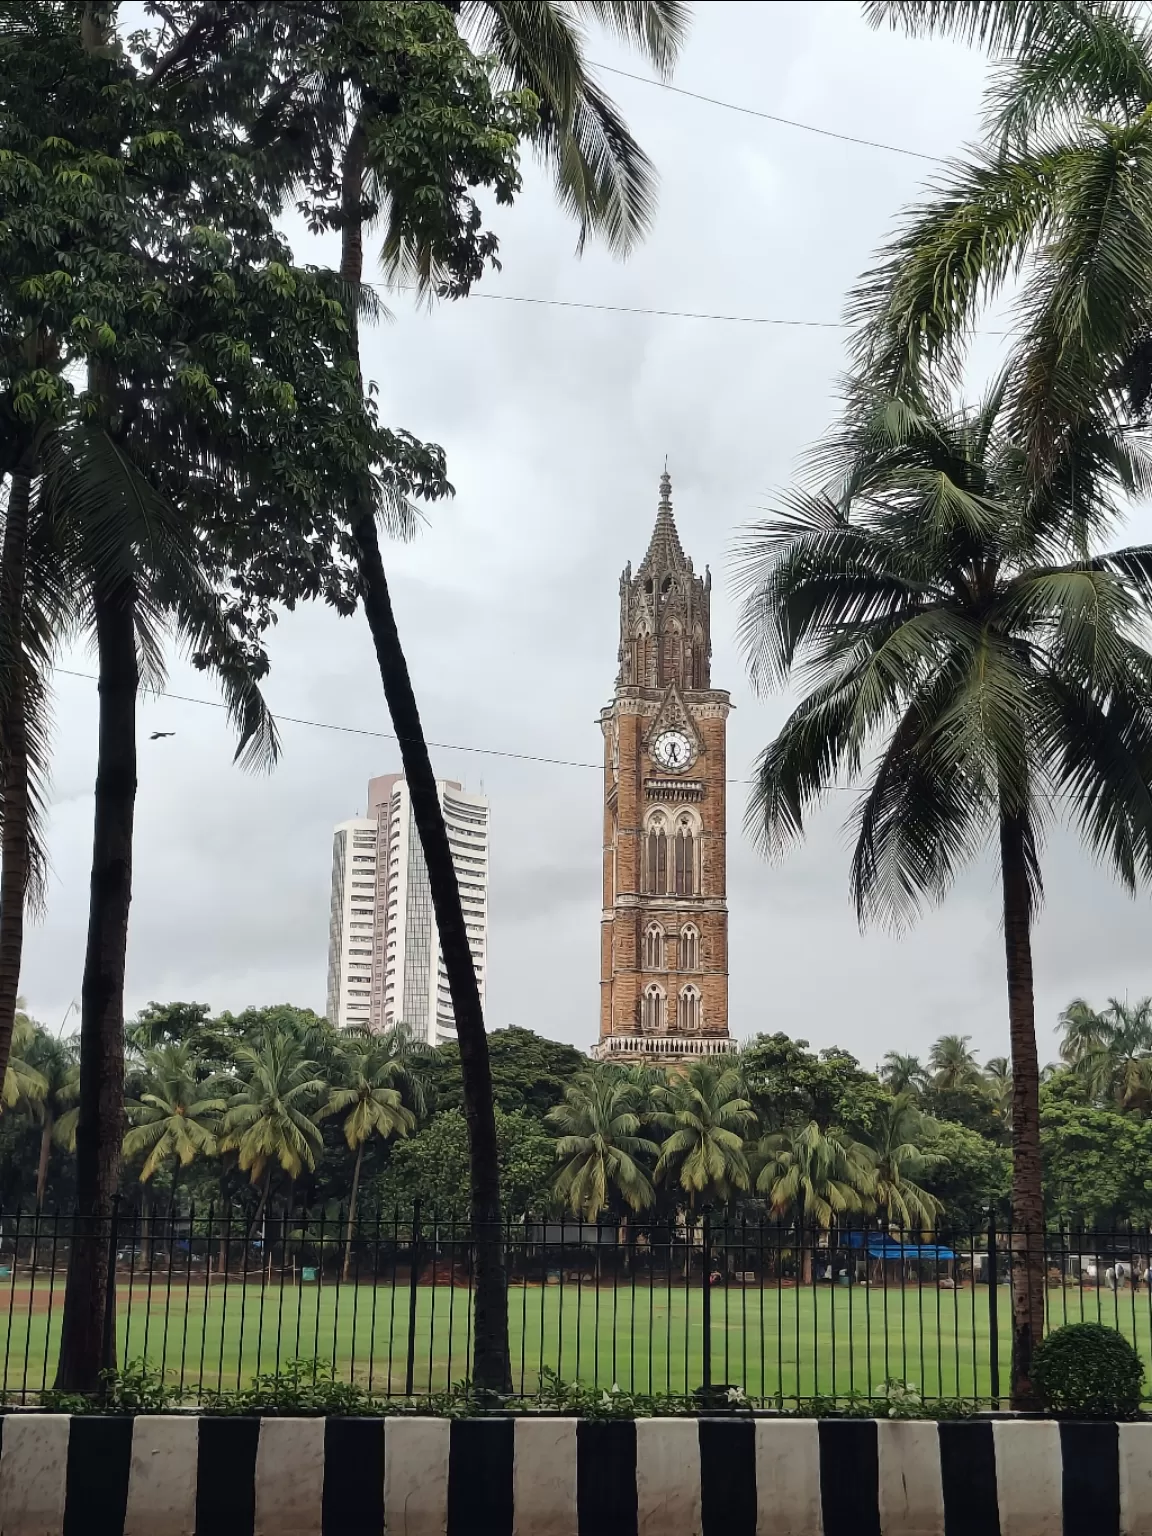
<point x="160" y="735"/>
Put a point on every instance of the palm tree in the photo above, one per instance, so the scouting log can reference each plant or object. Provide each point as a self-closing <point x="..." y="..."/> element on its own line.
<point x="709" y="1117"/>
<point x="952" y="624"/>
<point x="57" y="1064"/>
<point x="1058" y="193"/>
<point x="953" y="1063"/>
<point x="896" y="1140"/>
<point x="605" y="180"/>
<point x="817" y="1176"/>
<point x="1084" y="1031"/>
<point x="1112" y="1051"/>
<point x="371" y="1073"/>
<point x="24" y="1083"/>
<point x="998" y="1081"/>
<point x="176" y="1117"/>
<point x="269" y="1120"/>
<point x="600" y="1145"/>
<point x="901" y="1074"/>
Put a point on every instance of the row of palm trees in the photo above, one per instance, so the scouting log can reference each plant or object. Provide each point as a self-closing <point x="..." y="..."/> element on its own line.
<point x="952" y="1065"/>
<point x="1110" y="1051"/>
<point x="623" y="1132"/>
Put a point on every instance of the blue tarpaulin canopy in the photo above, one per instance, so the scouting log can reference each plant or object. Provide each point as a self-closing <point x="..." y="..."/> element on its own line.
<point x="880" y="1246"/>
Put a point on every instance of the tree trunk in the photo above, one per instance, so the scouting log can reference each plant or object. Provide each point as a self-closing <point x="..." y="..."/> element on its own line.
<point x="13" y="755"/>
<point x="260" y="1204"/>
<point x="85" y="1338"/>
<point x="1027" y="1241"/>
<point x="491" y="1368"/>
<point x="352" y="1212"/>
<point x="45" y="1153"/>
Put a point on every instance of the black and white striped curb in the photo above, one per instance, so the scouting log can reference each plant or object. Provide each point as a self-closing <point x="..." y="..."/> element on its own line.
<point x="184" y="1475"/>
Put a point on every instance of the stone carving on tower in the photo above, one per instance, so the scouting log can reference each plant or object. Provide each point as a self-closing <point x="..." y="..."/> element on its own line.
<point x="664" y="930"/>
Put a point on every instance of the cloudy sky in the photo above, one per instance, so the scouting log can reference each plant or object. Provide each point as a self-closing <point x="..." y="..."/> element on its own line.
<point x="556" y="422"/>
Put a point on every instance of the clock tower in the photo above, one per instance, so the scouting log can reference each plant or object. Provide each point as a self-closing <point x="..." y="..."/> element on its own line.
<point x="664" y="929"/>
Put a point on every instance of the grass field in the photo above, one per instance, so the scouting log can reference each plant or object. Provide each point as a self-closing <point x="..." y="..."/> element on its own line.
<point x="785" y="1342"/>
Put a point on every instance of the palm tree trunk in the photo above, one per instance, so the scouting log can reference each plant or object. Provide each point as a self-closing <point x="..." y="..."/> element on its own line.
<point x="13" y="756"/>
<point x="1028" y="1272"/>
<point x="352" y="1211"/>
<point x="45" y="1154"/>
<point x="99" y="1130"/>
<point x="260" y="1204"/>
<point x="491" y="1368"/>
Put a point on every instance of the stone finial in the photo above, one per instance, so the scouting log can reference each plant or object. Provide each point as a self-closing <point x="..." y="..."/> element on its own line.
<point x="666" y="488"/>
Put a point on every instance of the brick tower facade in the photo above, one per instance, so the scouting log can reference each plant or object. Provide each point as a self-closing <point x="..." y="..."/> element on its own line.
<point x="664" y="932"/>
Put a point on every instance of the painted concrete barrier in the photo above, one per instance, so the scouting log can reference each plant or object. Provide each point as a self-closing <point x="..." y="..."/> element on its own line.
<point x="184" y="1475"/>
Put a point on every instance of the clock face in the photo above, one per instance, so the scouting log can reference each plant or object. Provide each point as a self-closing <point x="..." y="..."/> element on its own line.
<point x="673" y="751"/>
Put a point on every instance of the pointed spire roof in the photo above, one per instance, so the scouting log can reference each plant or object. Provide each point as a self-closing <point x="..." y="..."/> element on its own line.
<point x="665" y="552"/>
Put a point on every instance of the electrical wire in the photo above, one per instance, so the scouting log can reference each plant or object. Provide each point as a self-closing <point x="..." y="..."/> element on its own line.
<point x="357" y="730"/>
<point x="770" y="117"/>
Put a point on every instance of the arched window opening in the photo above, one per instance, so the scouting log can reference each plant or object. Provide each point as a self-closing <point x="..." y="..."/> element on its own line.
<point x="652" y="1015"/>
<point x="656" y="859"/>
<point x="688" y="1011"/>
<point x="685" y="870"/>
<point x="654" y="947"/>
<point x="690" y="948"/>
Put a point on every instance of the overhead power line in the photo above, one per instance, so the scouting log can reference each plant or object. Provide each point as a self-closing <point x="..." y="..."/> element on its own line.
<point x="358" y="730"/>
<point x="771" y="117"/>
<point x="628" y="309"/>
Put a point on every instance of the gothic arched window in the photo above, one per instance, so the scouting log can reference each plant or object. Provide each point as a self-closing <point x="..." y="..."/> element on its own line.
<point x="688" y="1012"/>
<point x="656" y="857"/>
<point x="685" y="864"/>
<point x="690" y="948"/>
<point x="652" y="1010"/>
<point x="654" y="947"/>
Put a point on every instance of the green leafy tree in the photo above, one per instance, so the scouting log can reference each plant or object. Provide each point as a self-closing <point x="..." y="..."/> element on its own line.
<point x="600" y="1146"/>
<point x="790" y="1085"/>
<point x="955" y="626"/>
<point x="1096" y="1161"/>
<point x="529" y="1072"/>
<point x="971" y="1176"/>
<point x="371" y="1075"/>
<point x="708" y="1118"/>
<point x="269" y="1120"/>
<point x="815" y="1176"/>
<point x="432" y="1166"/>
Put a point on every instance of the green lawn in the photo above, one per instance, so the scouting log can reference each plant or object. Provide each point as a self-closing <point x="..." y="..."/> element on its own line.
<point x="771" y="1341"/>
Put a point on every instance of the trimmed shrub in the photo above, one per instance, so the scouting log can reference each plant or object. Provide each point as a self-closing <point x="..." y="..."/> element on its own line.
<point x="1085" y="1370"/>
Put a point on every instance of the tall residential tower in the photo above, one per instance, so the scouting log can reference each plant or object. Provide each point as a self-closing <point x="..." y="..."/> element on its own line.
<point x="384" y="960"/>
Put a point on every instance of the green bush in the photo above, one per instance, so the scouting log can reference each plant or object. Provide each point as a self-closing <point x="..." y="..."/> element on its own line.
<point x="1088" y="1371"/>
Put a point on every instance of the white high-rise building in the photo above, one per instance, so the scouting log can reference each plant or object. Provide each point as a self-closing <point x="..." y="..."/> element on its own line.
<point x="403" y="978"/>
<point x="351" y="922"/>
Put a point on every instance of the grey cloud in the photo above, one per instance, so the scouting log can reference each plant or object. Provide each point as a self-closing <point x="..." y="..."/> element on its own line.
<point x="556" y="424"/>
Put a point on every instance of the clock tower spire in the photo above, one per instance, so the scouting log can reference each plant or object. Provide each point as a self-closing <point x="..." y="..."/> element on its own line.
<point x="664" y="931"/>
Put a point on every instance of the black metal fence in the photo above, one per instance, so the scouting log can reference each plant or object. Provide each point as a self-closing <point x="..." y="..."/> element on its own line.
<point x="773" y="1312"/>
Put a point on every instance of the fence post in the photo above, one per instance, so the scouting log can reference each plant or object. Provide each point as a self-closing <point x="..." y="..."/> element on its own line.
<point x="993" y="1319"/>
<point x="707" y="1307"/>
<point x="413" y="1283"/>
<point x="110" y="1295"/>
